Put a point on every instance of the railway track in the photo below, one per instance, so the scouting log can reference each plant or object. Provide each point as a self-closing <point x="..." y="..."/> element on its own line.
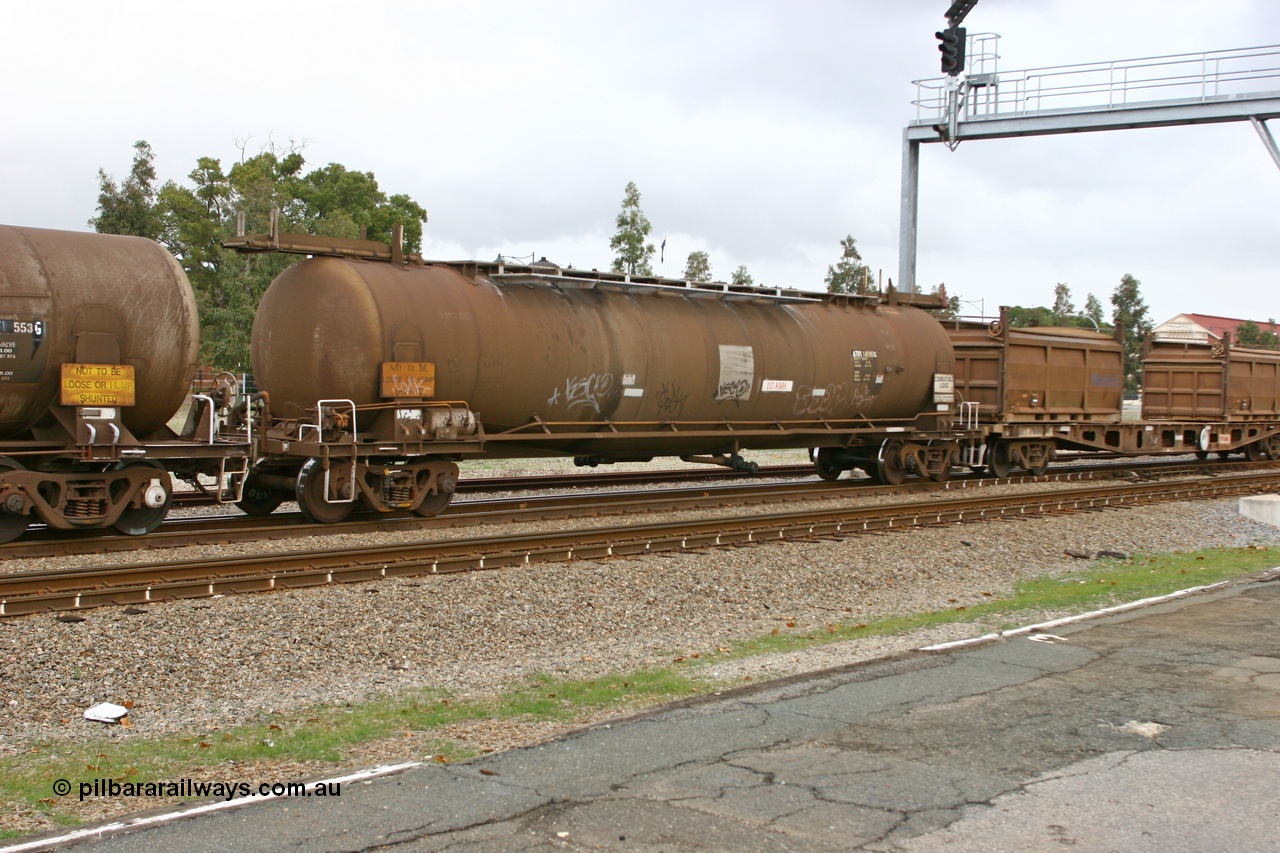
<point x="224" y="529"/>
<point x="32" y="592"/>
<point x="583" y="480"/>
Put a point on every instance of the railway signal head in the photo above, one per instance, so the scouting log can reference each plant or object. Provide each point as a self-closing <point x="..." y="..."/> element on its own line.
<point x="951" y="45"/>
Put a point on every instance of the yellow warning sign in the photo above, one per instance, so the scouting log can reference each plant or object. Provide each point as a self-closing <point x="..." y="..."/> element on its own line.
<point x="97" y="385"/>
<point x="408" y="379"/>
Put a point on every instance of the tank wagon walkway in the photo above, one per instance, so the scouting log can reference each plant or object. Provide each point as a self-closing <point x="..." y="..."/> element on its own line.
<point x="1155" y="730"/>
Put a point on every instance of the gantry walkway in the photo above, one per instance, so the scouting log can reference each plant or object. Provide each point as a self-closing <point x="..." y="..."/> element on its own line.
<point x="1159" y="91"/>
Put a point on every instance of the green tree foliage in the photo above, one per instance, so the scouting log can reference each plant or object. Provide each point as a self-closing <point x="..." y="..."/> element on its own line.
<point x="130" y="206"/>
<point x="1128" y="308"/>
<point x="1093" y="310"/>
<point x="698" y="266"/>
<point x="850" y="274"/>
<point x="633" y="252"/>
<point x="1250" y="334"/>
<point x="952" y="309"/>
<point x="1038" y="315"/>
<point x="193" y="220"/>
<point x="1063" y="312"/>
<point x="1063" y="308"/>
<point x="741" y="276"/>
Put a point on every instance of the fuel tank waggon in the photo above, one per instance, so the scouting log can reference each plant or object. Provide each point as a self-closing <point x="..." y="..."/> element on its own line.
<point x="81" y="298"/>
<point x="524" y="347"/>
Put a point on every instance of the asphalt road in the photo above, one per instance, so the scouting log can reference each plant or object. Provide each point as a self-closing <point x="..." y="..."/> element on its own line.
<point x="1158" y="730"/>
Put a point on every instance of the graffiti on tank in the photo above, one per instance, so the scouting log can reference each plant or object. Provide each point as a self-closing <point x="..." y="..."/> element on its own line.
<point x="588" y="391"/>
<point x="737" y="374"/>
<point x="830" y="399"/>
<point x="413" y="386"/>
<point x="733" y="391"/>
<point x="671" y="400"/>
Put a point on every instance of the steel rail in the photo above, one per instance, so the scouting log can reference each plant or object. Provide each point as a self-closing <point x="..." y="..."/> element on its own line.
<point x="180" y="532"/>
<point x="585" y="479"/>
<point x="31" y="592"/>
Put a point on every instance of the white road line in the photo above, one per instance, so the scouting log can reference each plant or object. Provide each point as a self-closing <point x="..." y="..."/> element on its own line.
<point x="1271" y="574"/>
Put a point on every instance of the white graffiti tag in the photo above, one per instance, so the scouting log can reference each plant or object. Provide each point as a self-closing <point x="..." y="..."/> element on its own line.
<point x="829" y="400"/>
<point x="412" y="386"/>
<point x="588" y="391"/>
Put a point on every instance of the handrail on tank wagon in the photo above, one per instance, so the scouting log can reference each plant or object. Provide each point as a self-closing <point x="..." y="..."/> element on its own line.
<point x="546" y="273"/>
<point x="319" y="426"/>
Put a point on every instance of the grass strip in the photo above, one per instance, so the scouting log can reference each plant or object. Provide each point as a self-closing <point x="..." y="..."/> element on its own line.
<point x="246" y="753"/>
<point x="1103" y="584"/>
<point x="324" y="734"/>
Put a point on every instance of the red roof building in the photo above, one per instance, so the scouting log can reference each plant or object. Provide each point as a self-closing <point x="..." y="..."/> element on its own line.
<point x="1202" y="327"/>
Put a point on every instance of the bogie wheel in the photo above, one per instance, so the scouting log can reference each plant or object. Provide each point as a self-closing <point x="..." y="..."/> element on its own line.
<point x="12" y="524"/>
<point x="1202" y="455"/>
<point x="1038" y="469"/>
<point x="889" y="466"/>
<point x="157" y="495"/>
<point x="258" y="499"/>
<point x="1001" y="459"/>
<point x="824" y="461"/>
<point x="433" y="504"/>
<point x="1254" y="452"/>
<point x="312" y="501"/>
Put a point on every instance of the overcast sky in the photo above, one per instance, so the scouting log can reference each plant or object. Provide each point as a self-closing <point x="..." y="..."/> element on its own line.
<point x="761" y="132"/>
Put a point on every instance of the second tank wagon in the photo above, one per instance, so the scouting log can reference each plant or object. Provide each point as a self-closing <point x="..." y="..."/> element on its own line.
<point x="385" y="373"/>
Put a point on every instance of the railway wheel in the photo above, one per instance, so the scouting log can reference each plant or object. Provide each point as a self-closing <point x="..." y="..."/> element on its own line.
<point x="1202" y="455"/>
<point x="156" y="497"/>
<point x="312" y="500"/>
<point x="258" y="500"/>
<point x="1001" y="459"/>
<point x="825" y="462"/>
<point x="1255" y="452"/>
<point x="890" y="468"/>
<point x="434" y="502"/>
<point x="1040" y="467"/>
<point x="12" y="524"/>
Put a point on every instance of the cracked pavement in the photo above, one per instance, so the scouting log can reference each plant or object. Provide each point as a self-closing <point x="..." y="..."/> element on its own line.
<point x="1156" y="730"/>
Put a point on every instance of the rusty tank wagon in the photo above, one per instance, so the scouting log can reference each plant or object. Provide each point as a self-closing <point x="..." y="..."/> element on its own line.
<point x="98" y="341"/>
<point x="382" y="372"/>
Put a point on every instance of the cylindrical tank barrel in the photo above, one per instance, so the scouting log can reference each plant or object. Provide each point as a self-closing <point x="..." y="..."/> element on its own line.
<point x="75" y="297"/>
<point x="570" y="351"/>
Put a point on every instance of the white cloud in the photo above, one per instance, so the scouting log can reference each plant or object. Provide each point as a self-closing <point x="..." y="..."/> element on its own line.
<point x="762" y="132"/>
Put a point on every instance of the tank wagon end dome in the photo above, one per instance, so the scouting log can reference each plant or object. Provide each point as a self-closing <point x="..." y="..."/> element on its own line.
<point x="98" y="298"/>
